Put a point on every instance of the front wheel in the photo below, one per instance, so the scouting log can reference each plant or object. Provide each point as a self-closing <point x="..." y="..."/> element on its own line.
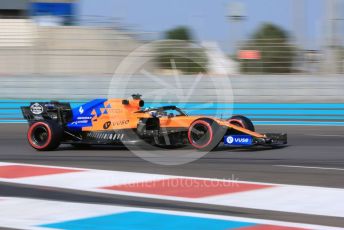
<point x="44" y="136"/>
<point x="242" y="122"/>
<point x="205" y="134"/>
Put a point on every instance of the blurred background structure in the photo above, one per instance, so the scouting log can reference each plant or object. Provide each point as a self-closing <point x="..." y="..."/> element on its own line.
<point x="287" y="51"/>
<point x="52" y="37"/>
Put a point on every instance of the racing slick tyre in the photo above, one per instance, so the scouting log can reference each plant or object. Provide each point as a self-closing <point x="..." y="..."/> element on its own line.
<point x="205" y="134"/>
<point x="44" y="135"/>
<point x="242" y="122"/>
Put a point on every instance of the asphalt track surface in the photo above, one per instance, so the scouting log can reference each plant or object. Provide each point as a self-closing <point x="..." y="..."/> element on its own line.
<point x="317" y="153"/>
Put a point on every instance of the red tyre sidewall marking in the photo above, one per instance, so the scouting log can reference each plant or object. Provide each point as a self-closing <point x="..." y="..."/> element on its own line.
<point x="32" y="128"/>
<point x="209" y="130"/>
<point x="237" y="121"/>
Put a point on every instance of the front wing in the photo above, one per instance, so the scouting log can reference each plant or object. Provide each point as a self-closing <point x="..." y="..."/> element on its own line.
<point x="272" y="139"/>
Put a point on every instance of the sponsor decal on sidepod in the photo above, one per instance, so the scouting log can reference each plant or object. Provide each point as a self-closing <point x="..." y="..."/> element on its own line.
<point x="81" y="110"/>
<point x="238" y="140"/>
<point x="36" y="109"/>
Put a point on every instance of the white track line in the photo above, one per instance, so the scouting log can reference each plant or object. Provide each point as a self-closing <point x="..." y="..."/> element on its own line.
<point x="309" y="167"/>
<point x="324" y="135"/>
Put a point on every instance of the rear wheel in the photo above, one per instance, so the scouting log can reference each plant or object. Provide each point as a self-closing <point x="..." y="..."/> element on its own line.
<point x="242" y="122"/>
<point x="44" y="136"/>
<point x="205" y="134"/>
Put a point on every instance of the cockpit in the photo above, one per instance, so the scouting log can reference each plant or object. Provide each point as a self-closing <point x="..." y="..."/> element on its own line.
<point x="165" y="111"/>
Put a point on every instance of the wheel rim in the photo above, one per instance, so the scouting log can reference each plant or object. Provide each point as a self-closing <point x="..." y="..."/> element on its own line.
<point x="40" y="136"/>
<point x="200" y="134"/>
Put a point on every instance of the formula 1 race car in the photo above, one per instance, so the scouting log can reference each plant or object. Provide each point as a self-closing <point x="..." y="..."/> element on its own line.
<point x="122" y="121"/>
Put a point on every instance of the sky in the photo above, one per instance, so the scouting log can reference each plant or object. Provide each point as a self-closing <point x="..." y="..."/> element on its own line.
<point x="207" y="18"/>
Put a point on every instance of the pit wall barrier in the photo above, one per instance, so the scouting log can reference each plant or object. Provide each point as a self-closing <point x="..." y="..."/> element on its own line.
<point x="267" y="100"/>
<point x="316" y="114"/>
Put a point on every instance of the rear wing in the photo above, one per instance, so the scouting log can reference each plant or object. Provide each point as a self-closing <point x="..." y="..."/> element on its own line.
<point x="42" y="111"/>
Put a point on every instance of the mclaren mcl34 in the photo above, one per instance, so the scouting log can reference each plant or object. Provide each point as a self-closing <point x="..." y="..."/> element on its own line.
<point x="123" y="121"/>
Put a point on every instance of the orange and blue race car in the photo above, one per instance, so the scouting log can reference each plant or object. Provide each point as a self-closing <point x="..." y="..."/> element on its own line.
<point x="125" y="121"/>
